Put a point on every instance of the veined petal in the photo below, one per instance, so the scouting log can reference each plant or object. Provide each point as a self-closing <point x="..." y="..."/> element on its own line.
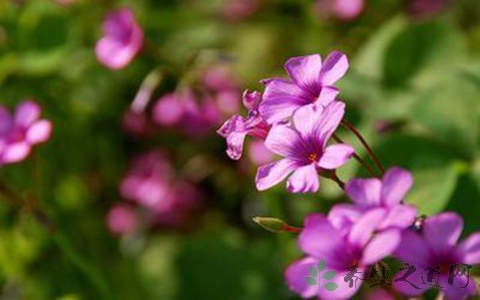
<point x="235" y="143"/>
<point x="382" y="245"/>
<point x="280" y="99"/>
<point x="303" y="180"/>
<point x="305" y="71"/>
<point x="364" y="192"/>
<point x="470" y="249"/>
<point x="295" y="277"/>
<point x="327" y="95"/>
<point x="306" y="118"/>
<point x="282" y="140"/>
<point x="335" y="156"/>
<point x="271" y="174"/>
<point x="334" y="67"/>
<point x="331" y="117"/>
<point x="442" y="231"/>
<point x="396" y="183"/>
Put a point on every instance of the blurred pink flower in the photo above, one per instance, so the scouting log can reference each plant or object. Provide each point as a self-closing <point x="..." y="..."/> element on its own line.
<point x="426" y="8"/>
<point x="136" y="123"/>
<point x="121" y="219"/>
<point x="150" y="182"/>
<point x="184" y="111"/>
<point x="20" y="131"/>
<point x="65" y="2"/>
<point x="259" y="153"/>
<point x="235" y="10"/>
<point x="122" y="39"/>
<point x="345" y="10"/>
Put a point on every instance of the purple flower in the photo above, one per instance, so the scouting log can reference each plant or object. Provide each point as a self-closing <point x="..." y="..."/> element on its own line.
<point x="311" y="82"/>
<point x="345" y="10"/>
<point x="361" y="243"/>
<point x="122" y="39"/>
<point x="21" y="131"/>
<point x="386" y="194"/>
<point x="436" y="245"/>
<point x="304" y="149"/>
<point x="121" y="219"/>
<point x="235" y="129"/>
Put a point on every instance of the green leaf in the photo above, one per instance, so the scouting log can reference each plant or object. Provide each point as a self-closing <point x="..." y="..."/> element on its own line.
<point x="310" y="280"/>
<point x="321" y="265"/>
<point x="313" y="271"/>
<point x="331" y="286"/>
<point x="329" y="275"/>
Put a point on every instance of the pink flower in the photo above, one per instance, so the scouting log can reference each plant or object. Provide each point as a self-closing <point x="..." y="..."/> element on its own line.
<point x="436" y="246"/>
<point x="150" y="183"/>
<point x="168" y="110"/>
<point x="345" y="10"/>
<point x="361" y="243"/>
<point x="235" y="129"/>
<point x="386" y="194"/>
<point x="311" y="82"/>
<point x="304" y="149"/>
<point x="122" y="39"/>
<point x="21" y="131"/>
<point x="121" y="219"/>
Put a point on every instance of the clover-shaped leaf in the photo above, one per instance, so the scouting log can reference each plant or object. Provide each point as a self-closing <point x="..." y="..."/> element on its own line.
<point x="313" y="271"/>
<point x="310" y="280"/>
<point x="329" y="275"/>
<point x="321" y="265"/>
<point x="331" y="286"/>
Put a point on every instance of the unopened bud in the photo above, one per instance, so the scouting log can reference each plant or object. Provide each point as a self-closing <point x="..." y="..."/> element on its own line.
<point x="271" y="224"/>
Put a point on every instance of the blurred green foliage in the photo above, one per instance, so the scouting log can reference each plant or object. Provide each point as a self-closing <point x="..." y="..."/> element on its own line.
<point x="423" y="76"/>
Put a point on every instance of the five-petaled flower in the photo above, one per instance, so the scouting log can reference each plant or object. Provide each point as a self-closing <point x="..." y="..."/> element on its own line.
<point x="303" y="145"/>
<point x="122" y="39"/>
<point x="311" y="82"/>
<point x="436" y="244"/>
<point x="20" y="131"/>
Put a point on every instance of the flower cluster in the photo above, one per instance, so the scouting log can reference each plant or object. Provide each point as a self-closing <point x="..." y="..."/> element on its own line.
<point x="20" y="131"/>
<point x="150" y="183"/>
<point x="296" y="118"/>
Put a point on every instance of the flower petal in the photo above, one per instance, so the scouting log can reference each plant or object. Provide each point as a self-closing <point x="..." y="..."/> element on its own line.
<point x="305" y="71"/>
<point x="15" y="152"/>
<point x="343" y="216"/>
<point x="396" y="183"/>
<point x="335" y="156"/>
<point x="334" y="67"/>
<point x="399" y="216"/>
<point x="303" y="180"/>
<point x="415" y="278"/>
<point x="382" y="245"/>
<point x="306" y="118"/>
<point x="320" y="239"/>
<point x="280" y="99"/>
<point x="344" y="291"/>
<point x="27" y="112"/>
<point x="364" y="192"/>
<point x="442" y="231"/>
<point x="414" y="250"/>
<point x="295" y="277"/>
<point x="331" y="117"/>
<point x="271" y="174"/>
<point x="282" y="140"/>
<point x="470" y="248"/>
<point x="39" y="132"/>
<point x="362" y="231"/>
<point x="235" y="143"/>
<point x="327" y="95"/>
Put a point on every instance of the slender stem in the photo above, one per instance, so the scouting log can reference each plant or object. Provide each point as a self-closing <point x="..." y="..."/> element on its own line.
<point x="333" y="176"/>
<point x="14" y="199"/>
<point x="358" y="158"/>
<point x="352" y="128"/>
